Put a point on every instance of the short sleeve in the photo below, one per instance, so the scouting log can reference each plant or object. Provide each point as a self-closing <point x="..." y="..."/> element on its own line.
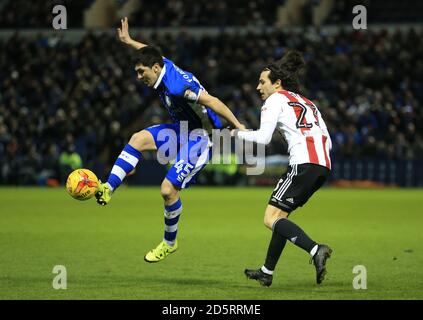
<point x="182" y="83"/>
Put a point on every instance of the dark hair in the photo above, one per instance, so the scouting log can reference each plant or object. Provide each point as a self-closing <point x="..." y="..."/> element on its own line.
<point x="287" y="69"/>
<point x="148" y="56"/>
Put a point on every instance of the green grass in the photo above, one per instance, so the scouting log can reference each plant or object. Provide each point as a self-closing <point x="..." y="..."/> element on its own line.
<point x="220" y="233"/>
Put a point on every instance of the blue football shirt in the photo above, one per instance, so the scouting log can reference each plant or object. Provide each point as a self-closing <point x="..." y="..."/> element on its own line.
<point x="179" y="91"/>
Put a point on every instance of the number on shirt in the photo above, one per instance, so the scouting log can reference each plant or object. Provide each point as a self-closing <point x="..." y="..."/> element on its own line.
<point x="185" y="168"/>
<point x="300" y="112"/>
<point x="315" y="113"/>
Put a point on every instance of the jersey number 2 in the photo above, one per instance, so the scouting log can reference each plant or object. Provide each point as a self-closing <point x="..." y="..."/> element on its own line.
<point x="300" y="112"/>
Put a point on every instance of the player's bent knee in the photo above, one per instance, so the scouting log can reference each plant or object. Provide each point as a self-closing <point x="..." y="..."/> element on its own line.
<point x="268" y="222"/>
<point x="168" y="191"/>
<point x="272" y="214"/>
<point x="142" y="141"/>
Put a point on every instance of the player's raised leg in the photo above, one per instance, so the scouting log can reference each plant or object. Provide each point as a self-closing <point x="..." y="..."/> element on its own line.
<point x="125" y="163"/>
<point x="172" y="212"/>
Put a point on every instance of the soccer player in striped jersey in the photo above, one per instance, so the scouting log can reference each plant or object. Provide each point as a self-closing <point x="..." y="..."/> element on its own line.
<point x="186" y="101"/>
<point x="309" y="143"/>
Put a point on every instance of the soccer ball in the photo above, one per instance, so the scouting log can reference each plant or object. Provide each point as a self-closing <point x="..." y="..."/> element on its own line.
<point x="82" y="184"/>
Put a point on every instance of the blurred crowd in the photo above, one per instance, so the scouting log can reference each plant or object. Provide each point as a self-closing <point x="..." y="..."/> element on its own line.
<point x="22" y="14"/>
<point x="204" y="13"/>
<point x="158" y="13"/>
<point x="63" y="104"/>
<point x="377" y="11"/>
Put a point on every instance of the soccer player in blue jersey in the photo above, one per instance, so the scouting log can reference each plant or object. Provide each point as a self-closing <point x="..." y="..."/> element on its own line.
<point x="185" y="100"/>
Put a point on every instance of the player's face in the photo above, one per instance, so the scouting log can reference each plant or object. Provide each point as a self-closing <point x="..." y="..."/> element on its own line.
<point x="265" y="86"/>
<point x="148" y="75"/>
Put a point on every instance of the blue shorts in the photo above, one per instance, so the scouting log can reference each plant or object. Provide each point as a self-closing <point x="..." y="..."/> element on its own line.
<point x="190" y="151"/>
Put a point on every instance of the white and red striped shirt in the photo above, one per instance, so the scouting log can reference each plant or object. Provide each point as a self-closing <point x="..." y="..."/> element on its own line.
<point x="300" y="122"/>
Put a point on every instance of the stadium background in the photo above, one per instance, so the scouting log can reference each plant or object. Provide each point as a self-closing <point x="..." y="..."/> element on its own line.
<point x="69" y="98"/>
<point x="74" y="90"/>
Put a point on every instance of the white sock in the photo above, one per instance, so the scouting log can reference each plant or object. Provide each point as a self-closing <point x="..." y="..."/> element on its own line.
<point x="266" y="271"/>
<point x="314" y="250"/>
<point x="110" y="187"/>
<point x="170" y="243"/>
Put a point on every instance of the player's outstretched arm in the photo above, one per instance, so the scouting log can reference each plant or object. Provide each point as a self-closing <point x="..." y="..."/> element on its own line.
<point x="220" y="108"/>
<point x="270" y="113"/>
<point x="123" y="33"/>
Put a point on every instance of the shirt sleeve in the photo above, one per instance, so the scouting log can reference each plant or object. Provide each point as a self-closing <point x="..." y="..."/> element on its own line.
<point x="191" y="89"/>
<point x="183" y="84"/>
<point x="268" y="120"/>
<point x="261" y="136"/>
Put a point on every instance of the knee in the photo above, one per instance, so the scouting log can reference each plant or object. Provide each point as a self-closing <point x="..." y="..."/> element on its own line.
<point x="269" y="219"/>
<point x="140" y="141"/>
<point x="167" y="191"/>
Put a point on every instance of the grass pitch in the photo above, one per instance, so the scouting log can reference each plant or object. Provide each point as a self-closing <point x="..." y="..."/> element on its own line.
<point x="220" y="233"/>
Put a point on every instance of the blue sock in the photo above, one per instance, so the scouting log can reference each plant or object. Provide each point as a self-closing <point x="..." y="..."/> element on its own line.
<point x="125" y="163"/>
<point x="172" y="214"/>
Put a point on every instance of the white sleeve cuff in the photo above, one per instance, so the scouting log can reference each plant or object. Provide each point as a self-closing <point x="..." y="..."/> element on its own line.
<point x="261" y="136"/>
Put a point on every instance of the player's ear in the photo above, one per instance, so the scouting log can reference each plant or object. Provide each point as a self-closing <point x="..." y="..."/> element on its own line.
<point x="278" y="84"/>
<point x="156" y="68"/>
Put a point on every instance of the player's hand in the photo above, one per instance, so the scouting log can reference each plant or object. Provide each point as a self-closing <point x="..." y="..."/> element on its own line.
<point x="241" y="127"/>
<point x="123" y="31"/>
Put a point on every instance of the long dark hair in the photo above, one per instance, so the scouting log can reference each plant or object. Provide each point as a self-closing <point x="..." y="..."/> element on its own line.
<point x="287" y="69"/>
